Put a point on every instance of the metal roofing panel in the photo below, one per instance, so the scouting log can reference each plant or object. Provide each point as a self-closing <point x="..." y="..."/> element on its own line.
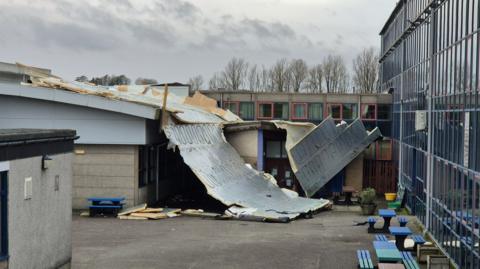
<point x="226" y="177"/>
<point x="326" y="150"/>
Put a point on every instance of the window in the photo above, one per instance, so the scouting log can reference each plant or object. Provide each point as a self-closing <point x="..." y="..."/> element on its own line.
<point x="232" y="106"/>
<point x="335" y="111"/>
<point x="349" y="111"/>
<point x="276" y="149"/>
<point x="299" y="111"/>
<point x="265" y="110"/>
<point x="152" y="163"/>
<point x="384" y="112"/>
<point x="280" y="111"/>
<point x="147" y="164"/>
<point x="3" y="215"/>
<point x="369" y="111"/>
<point x="315" y="111"/>
<point x="247" y="110"/>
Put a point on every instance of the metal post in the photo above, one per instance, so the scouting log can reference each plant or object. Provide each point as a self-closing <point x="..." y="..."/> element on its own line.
<point x="164" y="108"/>
<point x="430" y="93"/>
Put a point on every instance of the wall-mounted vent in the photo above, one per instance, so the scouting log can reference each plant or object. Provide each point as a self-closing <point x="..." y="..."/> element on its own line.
<point x="28" y="188"/>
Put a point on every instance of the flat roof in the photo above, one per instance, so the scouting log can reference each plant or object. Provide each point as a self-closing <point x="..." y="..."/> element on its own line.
<point x="207" y="92"/>
<point x="15" y="135"/>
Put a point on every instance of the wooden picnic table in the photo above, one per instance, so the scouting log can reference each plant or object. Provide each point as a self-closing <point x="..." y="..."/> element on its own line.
<point x="387" y="215"/>
<point x="387" y="251"/>
<point x="400" y="234"/>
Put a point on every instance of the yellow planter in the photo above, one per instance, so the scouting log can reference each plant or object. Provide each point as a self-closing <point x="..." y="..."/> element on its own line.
<point x="390" y="196"/>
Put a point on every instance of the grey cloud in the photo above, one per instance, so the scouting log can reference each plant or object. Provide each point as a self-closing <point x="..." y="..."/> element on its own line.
<point x="250" y="34"/>
<point x="83" y="27"/>
<point x="179" y="9"/>
<point x="265" y="29"/>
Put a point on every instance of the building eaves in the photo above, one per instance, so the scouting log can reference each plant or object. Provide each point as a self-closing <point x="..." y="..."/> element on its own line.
<point x="86" y="100"/>
<point x="25" y="135"/>
<point x="248" y="125"/>
<point x="392" y="16"/>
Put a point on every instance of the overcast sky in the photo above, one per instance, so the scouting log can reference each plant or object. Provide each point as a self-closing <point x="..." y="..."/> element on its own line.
<point x="173" y="40"/>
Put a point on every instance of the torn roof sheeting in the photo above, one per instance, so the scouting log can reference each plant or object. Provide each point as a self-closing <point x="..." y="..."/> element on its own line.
<point x="184" y="109"/>
<point x="326" y="150"/>
<point x="226" y="177"/>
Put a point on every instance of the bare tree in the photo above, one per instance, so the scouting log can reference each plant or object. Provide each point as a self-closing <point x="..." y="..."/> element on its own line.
<point x="365" y="70"/>
<point x="145" y="81"/>
<point x="265" y="80"/>
<point x="315" y="79"/>
<point x="279" y="75"/>
<point x="196" y="83"/>
<point x="216" y="82"/>
<point x="298" y="70"/>
<point x="235" y="73"/>
<point x="335" y="74"/>
<point x="253" y="78"/>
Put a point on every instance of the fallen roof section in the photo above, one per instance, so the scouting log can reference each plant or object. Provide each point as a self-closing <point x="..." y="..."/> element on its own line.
<point x="226" y="177"/>
<point x="142" y="100"/>
<point x="326" y="150"/>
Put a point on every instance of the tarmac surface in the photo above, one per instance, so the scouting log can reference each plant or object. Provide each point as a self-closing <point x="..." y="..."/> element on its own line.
<point x="329" y="240"/>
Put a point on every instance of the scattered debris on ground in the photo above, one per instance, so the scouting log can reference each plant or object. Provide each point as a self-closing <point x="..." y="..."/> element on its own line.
<point x="142" y="212"/>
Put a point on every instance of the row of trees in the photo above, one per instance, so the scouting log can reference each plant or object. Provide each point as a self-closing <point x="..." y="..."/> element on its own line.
<point x="330" y="76"/>
<point x="110" y="80"/>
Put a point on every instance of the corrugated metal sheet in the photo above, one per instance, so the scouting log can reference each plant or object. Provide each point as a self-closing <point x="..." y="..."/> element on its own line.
<point x="226" y="177"/>
<point x="146" y="95"/>
<point x="326" y="150"/>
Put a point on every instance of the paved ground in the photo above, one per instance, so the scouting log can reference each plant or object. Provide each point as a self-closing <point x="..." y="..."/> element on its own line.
<point x="327" y="241"/>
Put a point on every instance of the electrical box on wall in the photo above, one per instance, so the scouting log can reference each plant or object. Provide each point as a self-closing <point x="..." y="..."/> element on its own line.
<point x="28" y="188"/>
<point x="420" y="120"/>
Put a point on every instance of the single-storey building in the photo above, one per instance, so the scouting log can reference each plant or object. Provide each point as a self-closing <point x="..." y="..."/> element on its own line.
<point x="118" y="152"/>
<point x="35" y="198"/>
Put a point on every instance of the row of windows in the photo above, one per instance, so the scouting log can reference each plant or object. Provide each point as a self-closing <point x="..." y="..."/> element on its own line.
<point x="308" y="111"/>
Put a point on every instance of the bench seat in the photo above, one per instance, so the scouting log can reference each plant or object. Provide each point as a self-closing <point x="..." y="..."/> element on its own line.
<point x="403" y="221"/>
<point x="409" y="261"/>
<point x="381" y="237"/>
<point x="418" y="239"/>
<point x="364" y="259"/>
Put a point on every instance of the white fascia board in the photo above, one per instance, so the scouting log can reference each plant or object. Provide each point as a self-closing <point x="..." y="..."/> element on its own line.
<point x="87" y="100"/>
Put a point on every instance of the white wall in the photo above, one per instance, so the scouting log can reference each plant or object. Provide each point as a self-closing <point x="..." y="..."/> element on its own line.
<point x="39" y="229"/>
<point x="94" y="126"/>
<point x="246" y="145"/>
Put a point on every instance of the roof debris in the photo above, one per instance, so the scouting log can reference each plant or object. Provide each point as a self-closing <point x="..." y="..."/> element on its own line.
<point x="326" y="150"/>
<point x="226" y="177"/>
<point x="143" y="213"/>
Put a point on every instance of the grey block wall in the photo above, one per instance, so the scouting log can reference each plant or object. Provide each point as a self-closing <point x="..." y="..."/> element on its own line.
<point x="106" y="171"/>
<point x="39" y="229"/>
